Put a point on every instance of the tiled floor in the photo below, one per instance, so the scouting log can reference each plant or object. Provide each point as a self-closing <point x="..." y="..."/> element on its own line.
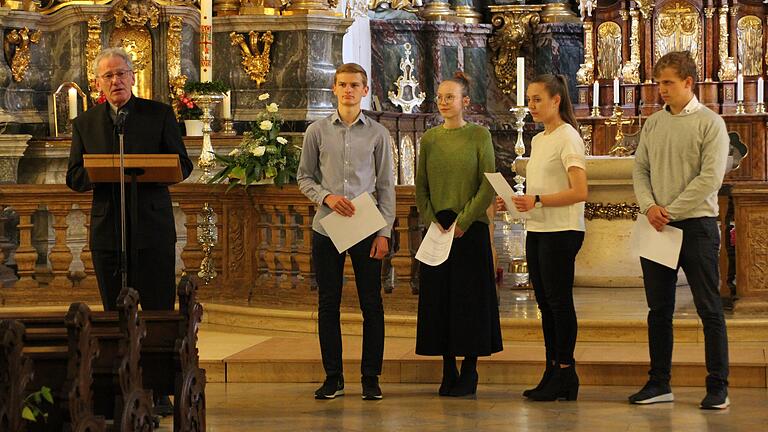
<point x="416" y="407"/>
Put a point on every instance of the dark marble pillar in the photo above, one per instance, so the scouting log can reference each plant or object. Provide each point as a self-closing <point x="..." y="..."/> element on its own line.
<point x="438" y="49"/>
<point x="304" y="55"/>
<point x="559" y="48"/>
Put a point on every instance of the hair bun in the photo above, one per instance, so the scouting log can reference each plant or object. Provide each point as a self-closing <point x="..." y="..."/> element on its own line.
<point x="460" y="75"/>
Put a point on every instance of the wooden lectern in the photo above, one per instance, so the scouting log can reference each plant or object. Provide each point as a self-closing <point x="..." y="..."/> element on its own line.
<point x="156" y="168"/>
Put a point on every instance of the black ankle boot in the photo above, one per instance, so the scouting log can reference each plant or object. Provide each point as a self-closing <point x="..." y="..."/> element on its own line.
<point x="547" y="375"/>
<point x="467" y="382"/>
<point x="563" y="384"/>
<point x="450" y="375"/>
<point x="466" y="385"/>
<point x="449" y="380"/>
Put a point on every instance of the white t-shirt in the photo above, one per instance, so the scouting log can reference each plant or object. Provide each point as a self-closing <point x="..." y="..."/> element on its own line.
<point x="547" y="173"/>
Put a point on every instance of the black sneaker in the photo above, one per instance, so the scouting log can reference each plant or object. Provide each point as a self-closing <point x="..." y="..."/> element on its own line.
<point x="716" y="399"/>
<point x="332" y="387"/>
<point x="371" y="389"/>
<point x="653" y="392"/>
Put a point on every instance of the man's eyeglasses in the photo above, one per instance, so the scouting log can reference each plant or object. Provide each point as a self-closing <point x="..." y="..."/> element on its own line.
<point x="119" y="75"/>
<point x="447" y="99"/>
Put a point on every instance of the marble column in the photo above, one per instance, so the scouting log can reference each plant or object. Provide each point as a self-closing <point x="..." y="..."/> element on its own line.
<point x="303" y="58"/>
<point x="12" y="148"/>
<point x="438" y="49"/>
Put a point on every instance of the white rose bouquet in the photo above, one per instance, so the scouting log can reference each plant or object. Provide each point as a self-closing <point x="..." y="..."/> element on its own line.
<point x="262" y="154"/>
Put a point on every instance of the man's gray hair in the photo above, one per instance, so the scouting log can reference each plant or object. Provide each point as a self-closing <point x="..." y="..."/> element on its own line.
<point x="111" y="52"/>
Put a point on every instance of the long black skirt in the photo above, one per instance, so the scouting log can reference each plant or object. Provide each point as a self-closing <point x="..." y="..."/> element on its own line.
<point x="458" y="310"/>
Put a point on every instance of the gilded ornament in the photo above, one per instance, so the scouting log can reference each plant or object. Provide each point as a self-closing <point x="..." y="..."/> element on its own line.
<point x="512" y="28"/>
<point x="609" y="57"/>
<point x="136" y="13"/>
<point x="137" y="42"/>
<point x="176" y="80"/>
<point x="610" y="211"/>
<point x="256" y="7"/>
<point x="678" y="29"/>
<point x="407" y="161"/>
<point x="92" y="49"/>
<point x="255" y="64"/>
<point x="406" y="5"/>
<point x="630" y="72"/>
<point x="586" y="135"/>
<point x="16" y="47"/>
<point x="749" y="31"/>
<point x="406" y="81"/>
<point x="207" y="237"/>
<point x="619" y="149"/>
<point x="586" y="73"/>
<point x="645" y="6"/>
<point x="727" y="71"/>
<point x="709" y="12"/>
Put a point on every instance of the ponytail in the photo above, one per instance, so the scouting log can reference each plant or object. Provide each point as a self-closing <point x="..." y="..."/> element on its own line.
<point x="557" y="85"/>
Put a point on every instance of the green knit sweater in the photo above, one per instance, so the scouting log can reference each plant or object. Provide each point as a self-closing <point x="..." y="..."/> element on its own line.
<point x="452" y="163"/>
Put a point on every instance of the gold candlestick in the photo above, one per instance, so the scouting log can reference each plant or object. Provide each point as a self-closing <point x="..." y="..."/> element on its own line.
<point x="595" y="111"/>
<point x="740" y="107"/>
<point x="206" y="161"/>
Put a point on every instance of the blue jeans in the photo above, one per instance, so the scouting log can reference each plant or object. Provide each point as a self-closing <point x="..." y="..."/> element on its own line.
<point x="699" y="261"/>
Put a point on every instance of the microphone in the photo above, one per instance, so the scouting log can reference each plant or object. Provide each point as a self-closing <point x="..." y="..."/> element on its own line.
<point x="122" y="115"/>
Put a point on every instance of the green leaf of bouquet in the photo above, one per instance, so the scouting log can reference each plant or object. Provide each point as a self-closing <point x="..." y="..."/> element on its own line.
<point x="238" y="172"/>
<point x="27" y="414"/>
<point x="46" y="392"/>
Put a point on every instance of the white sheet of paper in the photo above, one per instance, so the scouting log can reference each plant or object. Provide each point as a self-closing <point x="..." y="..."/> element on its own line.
<point x="436" y="246"/>
<point x="661" y="247"/>
<point x="505" y="191"/>
<point x="346" y="232"/>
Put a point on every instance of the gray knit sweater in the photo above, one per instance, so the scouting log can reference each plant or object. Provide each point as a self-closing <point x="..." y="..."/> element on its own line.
<point x="680" y="163"/>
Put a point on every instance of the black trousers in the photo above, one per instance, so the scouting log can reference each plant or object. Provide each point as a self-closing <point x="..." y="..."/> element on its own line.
<point x="156" y="277"/>
<point x="551" y="257"/>
<point x="329" y="271"/>
<point x="699" y="261"/>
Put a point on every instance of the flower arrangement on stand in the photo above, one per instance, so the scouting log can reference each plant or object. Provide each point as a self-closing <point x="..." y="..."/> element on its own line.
<point x="187" y="108"/>
<point x="263" y="156"/>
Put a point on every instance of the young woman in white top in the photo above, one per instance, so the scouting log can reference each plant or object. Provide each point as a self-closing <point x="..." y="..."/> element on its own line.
<point x="556" y="188"/>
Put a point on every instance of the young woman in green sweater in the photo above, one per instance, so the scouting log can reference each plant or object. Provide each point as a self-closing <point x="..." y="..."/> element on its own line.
<point x="458" y="311"/>
<point x="556" y="188"/>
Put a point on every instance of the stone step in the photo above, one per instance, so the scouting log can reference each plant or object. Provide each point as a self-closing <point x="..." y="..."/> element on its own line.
<point x="629" y="330"/>
<point x="296" y="358"/>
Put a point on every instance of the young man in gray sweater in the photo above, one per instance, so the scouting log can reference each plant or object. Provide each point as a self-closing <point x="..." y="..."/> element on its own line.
<point x="679" y="168"/>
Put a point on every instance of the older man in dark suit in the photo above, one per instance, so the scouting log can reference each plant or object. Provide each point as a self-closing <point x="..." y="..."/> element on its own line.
<point x="150" y="127"/>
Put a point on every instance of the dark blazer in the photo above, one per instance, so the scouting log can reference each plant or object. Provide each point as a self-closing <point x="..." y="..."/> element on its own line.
<point x="150" y="127"/>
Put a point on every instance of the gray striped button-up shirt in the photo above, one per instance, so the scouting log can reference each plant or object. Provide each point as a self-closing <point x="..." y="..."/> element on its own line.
<point x="347" y="160"/>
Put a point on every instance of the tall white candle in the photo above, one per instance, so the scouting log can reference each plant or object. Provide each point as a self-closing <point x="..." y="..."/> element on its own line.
<point x="72" y="99"/>
<point x="740" y="88"/>
<point x="760" y="90"/>
<point x="226" y="106"/>
<point x="521" y="81"/>
<point x="616" y="98"/>
<point x="206" y="40"/>
<point x="596" y="94"/>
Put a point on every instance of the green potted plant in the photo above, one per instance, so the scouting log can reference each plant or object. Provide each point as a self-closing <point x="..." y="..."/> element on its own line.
<point x="263" y="156"/>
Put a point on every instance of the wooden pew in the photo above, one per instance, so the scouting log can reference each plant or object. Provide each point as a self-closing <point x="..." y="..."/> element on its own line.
<point x="154" y="350"/>
<point x="60" y="358"/>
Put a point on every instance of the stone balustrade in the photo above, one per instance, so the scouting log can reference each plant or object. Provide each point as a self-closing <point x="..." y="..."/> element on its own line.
<point x="263" y="253"/>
